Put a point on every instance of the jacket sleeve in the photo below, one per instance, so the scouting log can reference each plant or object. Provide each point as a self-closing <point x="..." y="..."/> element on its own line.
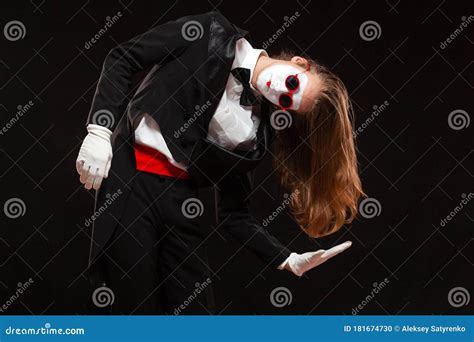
<point x="235" y="218"/>
<point x="156" y="46"/>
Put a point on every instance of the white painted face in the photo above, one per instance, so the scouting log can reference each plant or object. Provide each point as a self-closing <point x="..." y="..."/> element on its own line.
<point x="271" y="83"/>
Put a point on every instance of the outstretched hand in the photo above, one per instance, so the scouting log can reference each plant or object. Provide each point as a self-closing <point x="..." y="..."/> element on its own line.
<point x="300" y="263"/>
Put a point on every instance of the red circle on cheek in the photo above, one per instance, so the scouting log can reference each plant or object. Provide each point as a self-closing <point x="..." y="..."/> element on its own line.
<point x="268" y="84"/>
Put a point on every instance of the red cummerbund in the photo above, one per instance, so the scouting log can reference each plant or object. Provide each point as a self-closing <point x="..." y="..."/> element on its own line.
<point x="153" y="161"/>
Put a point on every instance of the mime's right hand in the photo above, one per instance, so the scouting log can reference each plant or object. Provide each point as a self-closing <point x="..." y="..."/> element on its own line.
<point x="95" y="156"/>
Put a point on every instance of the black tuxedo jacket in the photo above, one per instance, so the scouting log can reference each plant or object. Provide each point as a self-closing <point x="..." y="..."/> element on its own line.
<point x="187" y="72"/>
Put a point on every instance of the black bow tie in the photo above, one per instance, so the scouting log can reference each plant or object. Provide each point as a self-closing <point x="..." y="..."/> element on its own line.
<point x="247" y="98"/>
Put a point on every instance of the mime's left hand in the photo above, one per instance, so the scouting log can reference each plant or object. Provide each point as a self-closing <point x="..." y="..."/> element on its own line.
<point x="300" y="263"/>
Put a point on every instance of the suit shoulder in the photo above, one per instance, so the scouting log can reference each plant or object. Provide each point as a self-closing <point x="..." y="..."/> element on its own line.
<point x="220" y="18"/>
<point x="211" y="17"/>
<point x="207" y="16"/>
<point x="226" y="24"/>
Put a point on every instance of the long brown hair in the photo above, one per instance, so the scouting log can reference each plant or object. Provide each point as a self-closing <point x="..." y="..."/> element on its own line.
<point x="316" y="158"/>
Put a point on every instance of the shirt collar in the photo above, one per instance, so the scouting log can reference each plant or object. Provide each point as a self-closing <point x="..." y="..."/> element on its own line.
<point x="247" y="56"/>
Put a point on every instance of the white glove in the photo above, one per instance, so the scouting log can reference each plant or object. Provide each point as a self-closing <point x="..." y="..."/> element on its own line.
<point x="300" y="263"/>
<point x="95" y="156"/>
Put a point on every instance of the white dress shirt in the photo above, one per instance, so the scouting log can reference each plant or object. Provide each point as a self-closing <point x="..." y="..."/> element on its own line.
<point x="232" y="124"/>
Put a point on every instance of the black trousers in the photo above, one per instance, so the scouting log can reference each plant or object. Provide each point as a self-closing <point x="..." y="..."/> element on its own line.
<point x="154" y="263"/>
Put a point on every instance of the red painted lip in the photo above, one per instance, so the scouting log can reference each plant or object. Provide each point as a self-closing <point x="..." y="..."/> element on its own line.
<point x="268" y="84"/>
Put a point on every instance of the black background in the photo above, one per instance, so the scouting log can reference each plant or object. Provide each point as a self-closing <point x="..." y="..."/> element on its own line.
<point x="411" y="160"/>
